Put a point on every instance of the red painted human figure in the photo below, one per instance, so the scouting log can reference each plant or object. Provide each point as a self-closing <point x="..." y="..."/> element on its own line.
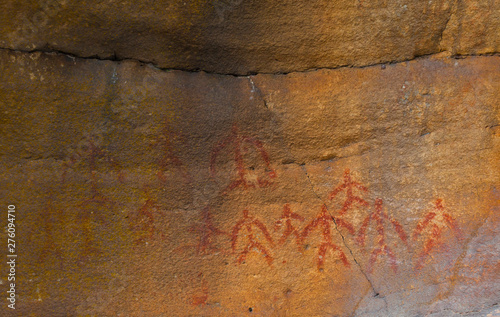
<point x="238" y="143"/>
<point x="207" y="233"/>
<point x="144" y="220"/>
<point x="436" y="221"/>
<point x="286" y="219"/>
<point x="248" y="223"/>
<point x="379" y="217"/>
<point x="351" y="200"/>
<point x="324" y="222"/>
<point x="168" y="156"/>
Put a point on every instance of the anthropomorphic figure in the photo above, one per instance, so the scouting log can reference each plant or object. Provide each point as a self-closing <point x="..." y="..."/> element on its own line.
<point x="351" y="201"/>
<point x="324" y="222"/>
<point x="207" y="233"/>
<point x="286" y="219"/>
<point x="239" y="143"/>
<point x="380" y="217"/>
<point x="248" y="223"/>
<point x="434" y="223"/>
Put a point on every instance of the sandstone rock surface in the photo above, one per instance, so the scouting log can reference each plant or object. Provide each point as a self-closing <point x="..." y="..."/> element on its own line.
<point x="349" y="192"/>
<point x="266" y="158"/>
<point x="247" y="37"/>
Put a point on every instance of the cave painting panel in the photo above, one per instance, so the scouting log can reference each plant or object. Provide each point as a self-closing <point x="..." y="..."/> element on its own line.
<point x="249" y="235"/>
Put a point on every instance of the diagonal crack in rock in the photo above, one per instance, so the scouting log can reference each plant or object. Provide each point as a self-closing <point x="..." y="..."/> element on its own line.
<point x="337" y="229"/>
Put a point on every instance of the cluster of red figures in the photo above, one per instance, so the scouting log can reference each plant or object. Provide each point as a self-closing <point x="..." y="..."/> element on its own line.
<point x="247" y="230"/>
<point x="347" y="197"/>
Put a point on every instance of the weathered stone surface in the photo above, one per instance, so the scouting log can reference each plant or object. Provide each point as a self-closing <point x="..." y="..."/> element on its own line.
<point x="242" y="37"/>
<point x="139" y="191"/>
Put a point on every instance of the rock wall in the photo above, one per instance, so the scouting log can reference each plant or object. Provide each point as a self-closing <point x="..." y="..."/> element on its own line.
<point x="209" y="158"/>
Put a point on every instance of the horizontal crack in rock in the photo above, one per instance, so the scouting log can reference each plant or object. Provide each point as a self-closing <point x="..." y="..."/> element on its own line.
<point x="115" y="58"/>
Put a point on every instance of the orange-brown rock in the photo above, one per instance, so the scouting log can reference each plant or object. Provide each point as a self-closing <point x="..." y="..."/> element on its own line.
<point x="248" y="37"/>
<point x="350" y="192"/>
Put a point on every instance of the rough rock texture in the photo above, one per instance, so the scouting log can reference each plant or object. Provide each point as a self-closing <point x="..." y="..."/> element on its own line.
<point x="369" y="190"/>
<point x="132" y="185"/>
<point x="241" y="37"/>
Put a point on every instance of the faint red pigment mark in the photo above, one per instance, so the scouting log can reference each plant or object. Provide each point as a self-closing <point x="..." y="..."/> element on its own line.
<point x="168" y="157"/>
<point x="200" y="297"/>
<point x="207" y="233"/>
<point x="91" y="155"/>
<point x="248" y="223"/>
<point x="436" y="220"/>
<point x="481" y="268"/>
<point x="50" y="248"/>
<point x="238" y="141"/>
<point x="350" y="201"/>
<point x="144" y="219"/>
<point x="286" y="218"/>
<point x="379" y="217"/>
<point x="324" y="221"/>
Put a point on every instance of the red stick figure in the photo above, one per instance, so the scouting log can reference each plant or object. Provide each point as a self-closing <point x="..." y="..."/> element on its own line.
<point x="437" y="220"/>
<point x="168" y="157"/>
<point x="247" y="223"/>
<point x="238" y="141"/>
<point x="144" y="219"/>
<point x="287" y="218"/>
<point x="350" y="201"/>
<point x="379" y="217"/>
<point x="324" y="221"/>
<point x="207" y="233"/>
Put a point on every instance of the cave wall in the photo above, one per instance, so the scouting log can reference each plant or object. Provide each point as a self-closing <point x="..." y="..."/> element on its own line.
<point x="209" y="158"/>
